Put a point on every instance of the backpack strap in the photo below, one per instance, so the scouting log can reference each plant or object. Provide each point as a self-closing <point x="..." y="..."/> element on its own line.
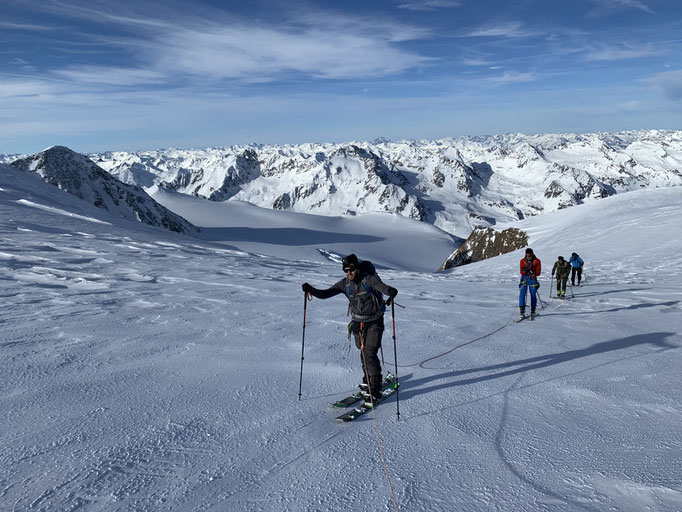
<point x="377" y="298"/>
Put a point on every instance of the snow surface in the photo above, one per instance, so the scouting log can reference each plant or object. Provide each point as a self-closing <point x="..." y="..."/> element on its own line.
<point x="145" y="370"/>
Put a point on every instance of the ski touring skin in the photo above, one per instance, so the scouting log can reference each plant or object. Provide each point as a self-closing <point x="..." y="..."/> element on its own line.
<point x="356" y="397"/>
<point x="362" y="408"/>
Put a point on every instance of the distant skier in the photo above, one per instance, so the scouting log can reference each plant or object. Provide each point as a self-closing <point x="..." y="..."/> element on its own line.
<point x="530" y="270"/>
<point x="365" y="293"/>
<point x="577" y="264"/>
<point x="562" y="268"/>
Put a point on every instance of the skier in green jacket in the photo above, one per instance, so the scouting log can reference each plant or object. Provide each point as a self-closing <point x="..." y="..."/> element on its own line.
<point x="561" y="268"/>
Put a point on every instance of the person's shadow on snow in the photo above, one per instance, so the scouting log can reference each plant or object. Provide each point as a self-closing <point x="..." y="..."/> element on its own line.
<point x="670" y="304"/>
<point x="415" y="387"/>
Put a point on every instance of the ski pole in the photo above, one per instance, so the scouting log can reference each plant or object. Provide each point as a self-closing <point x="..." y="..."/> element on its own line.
<point x="537" y="292"/>
<point x="305" y="308"/>
<point x="395" y="354"/>
<point x="571" y="286"/>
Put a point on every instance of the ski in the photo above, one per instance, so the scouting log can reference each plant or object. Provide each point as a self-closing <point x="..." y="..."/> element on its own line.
<point x="356" y="397"/>
<point x="530" y="318"/>
<point x="362" y="409"/>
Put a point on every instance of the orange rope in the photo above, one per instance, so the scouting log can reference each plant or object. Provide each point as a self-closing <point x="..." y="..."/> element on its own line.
<point x="374" y="417"/>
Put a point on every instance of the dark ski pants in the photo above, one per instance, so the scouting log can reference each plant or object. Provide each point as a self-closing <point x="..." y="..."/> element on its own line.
<point x="371" y="336"/>
<point x="561" y="283"/>
<point x="575" y="271"/>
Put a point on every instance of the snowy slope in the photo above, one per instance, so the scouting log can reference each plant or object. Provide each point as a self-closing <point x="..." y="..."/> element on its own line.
<point x="384" y="238"/>
<point x="78" y="175"/>
<point x="145" y="370"/>
<point x="454" y="184"/>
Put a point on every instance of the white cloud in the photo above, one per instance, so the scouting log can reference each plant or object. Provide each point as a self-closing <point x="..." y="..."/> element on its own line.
<point x="511" y="29"/>
<point x="669" y="83"/>
<point x="6" y="25"/>
<point x="114" y="76"/>
<point x="261" y="53"/>
<point x="605" y="7"/>
<point x="429" y="5"/>
<point x="13" y="88"/>
<point x="631" y="106"/>
<point x="213" y="45"/>
<point x="513" y="77"/>
<point x="621" y="52"/>
<point x="475" y="62"/>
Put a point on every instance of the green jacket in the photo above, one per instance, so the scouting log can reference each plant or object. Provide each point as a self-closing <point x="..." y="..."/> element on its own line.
<point x="561" y="268"/>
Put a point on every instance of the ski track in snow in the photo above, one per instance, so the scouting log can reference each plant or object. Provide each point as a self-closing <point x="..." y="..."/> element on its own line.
<point x="145" y="373"/>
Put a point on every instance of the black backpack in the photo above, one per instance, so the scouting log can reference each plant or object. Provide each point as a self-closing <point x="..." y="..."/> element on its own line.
<point x="367" y="268"/>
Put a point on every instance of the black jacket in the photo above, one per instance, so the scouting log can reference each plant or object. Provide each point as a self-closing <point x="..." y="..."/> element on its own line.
<point x="364" y="295"/>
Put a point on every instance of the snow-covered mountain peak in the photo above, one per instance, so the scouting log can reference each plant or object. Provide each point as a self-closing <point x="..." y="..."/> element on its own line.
<point x="456" y="184"/>
<point x="76" y="174"/>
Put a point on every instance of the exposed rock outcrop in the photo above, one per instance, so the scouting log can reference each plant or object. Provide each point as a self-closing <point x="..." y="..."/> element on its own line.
<point x="486" y="243"/>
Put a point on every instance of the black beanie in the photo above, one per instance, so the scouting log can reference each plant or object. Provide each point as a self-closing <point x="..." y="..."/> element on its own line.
<point x="529" y="251"/>
<point x="350" y="261"/>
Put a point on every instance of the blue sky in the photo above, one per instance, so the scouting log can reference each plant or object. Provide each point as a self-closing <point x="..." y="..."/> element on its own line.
<point x="126" y="75"/>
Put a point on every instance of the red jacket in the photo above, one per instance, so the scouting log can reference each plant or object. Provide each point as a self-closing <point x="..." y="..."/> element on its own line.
<point x="530" y="268"/>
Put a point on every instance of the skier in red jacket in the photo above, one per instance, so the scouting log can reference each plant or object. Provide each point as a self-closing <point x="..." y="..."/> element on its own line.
<point x="530" y="270"/>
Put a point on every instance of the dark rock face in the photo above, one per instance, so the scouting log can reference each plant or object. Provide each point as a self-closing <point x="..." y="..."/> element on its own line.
<point x="76" y="174"/>
<point x="486" y="243"/>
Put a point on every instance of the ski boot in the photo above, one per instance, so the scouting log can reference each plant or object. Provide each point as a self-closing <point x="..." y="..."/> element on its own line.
<point x="522" y="312"/>
<point x="364" y="387"/>
<point x="374" y="393"/>
<point x="532" y="313"/>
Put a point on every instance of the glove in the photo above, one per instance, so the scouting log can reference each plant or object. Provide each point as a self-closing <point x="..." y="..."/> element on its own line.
<point x="536" y="285"/>
<point x="306" y="288"/>
<point x="552" y="274"/>
<point x="392" y="292"/>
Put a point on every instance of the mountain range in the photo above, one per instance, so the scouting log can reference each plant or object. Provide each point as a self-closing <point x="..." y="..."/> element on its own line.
<point x="459" y="185"/>
<point x="455" y="184"/>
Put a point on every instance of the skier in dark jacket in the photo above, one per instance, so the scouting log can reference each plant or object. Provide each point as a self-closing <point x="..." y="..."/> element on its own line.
<point x="561" y="268"/>
<point x="530" y="267"/>
<point x="577" y="264"/>
<point x="365" y="293"/>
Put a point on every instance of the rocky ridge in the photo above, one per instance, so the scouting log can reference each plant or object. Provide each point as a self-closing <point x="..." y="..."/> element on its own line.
<point x="78" y="175"/>
<point x="485" y="243"/>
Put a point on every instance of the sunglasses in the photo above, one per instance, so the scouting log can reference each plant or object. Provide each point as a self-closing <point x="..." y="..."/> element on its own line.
<point x="349" y="270"/>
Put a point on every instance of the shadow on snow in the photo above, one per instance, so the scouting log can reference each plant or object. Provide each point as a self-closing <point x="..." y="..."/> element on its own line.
<point x="496" y="371"/>
<point x="284" y="236"/>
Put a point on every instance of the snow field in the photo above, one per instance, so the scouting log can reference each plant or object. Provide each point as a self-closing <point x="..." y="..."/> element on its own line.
<point x="145" y="370"/>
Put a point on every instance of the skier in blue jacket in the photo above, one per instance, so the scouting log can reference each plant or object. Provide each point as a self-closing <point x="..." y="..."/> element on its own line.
<point x="576" y="268"/>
